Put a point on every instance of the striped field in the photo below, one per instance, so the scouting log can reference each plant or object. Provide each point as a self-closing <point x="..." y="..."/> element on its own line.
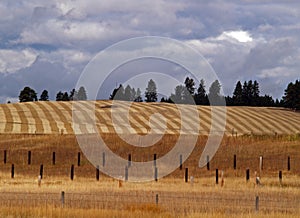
<point x="56" y="118"/>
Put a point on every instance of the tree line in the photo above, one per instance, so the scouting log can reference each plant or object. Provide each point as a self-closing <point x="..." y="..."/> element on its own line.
<point x="244" y="94"/>
<point x="28" y="94"/>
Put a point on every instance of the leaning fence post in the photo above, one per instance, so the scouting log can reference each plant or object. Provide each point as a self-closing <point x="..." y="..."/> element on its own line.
<point x="62" y="199"/>
<point x="29" y="157"/>
<point x="257" y="204"/>
<point x="72" y="172"/>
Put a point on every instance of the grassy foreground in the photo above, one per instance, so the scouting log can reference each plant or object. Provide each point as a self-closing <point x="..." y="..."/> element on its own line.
<point x="87" y="197"/>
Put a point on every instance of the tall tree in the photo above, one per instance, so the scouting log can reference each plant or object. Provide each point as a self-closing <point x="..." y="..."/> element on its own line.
<point x="81" y="94"/>
<point x="44" y="96"/>
<point x="291" y="98"/>
<point x="65" y="97"/>
<point x="27" y="94"/>
<point x="73" y="95"/>
<point x="128" y="93"/>
<point x="151" y="92"/>
<point x="190" y="85"/>
<point x="180" y="94"/>
<point x="255" y="94"/>
<point x="201" y="96"/>
<point x="138" y="97"/>
<point x="237" y="97"/>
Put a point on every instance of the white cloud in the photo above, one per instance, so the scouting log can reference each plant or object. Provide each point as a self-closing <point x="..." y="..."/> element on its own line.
<point x="13" y="60"/>
<point x="239" y="35"/>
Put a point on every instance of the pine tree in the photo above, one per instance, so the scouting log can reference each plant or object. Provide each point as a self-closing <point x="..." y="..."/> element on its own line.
<point x="190" y="85"/>
<point x="237" y="98"/>
<point x="59" y="96"/>
<point x="151" y="92"/>
<point x="81" y="94"/>
<point x="214" y="94"/>
<point x="138" y="96"/>
<point x="201" y="96"/>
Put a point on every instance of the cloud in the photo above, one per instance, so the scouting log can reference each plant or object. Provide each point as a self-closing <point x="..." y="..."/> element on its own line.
<point x="242" y="40"/>
<point x="14" y="60"/>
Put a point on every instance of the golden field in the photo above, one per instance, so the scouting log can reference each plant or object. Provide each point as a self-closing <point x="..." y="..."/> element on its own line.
<point x="44" y="128"/>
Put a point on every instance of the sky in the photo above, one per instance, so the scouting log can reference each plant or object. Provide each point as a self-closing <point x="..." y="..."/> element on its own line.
<point x="47" y="44"/>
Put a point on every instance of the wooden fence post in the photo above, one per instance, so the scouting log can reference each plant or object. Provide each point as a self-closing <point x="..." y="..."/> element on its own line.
<point x="289" y="163"/>
<point x="186" y="175"/>
<point x="12" y="171"/>
<point x="4" y="159"/>
<point x="97" y="173"/>
<point x="154" y="160"/>
<point x="129" y="160"/>
<point x="29" y="157"/>
<point x="280" y="177"/>
<point x="78" y="159"/>
<point x="260" y="164"/>
<point x="72" y="172"/>
<point x="156" y="174"/>
<point x="257" y="204"/>
<point x="207" y="162"/>
<point x="62" y="199"/>
<point x="217" y="176"/>
<point x="247" y="175"/>
<point x="180" y="162"/>
<point x="234" y="162"/>
<point x="41" y="170"/>
<point x="103" y="159"/>
<point x="156" y="199"/>
<point x="126" y="173"/>
<point x="53" y="158"/>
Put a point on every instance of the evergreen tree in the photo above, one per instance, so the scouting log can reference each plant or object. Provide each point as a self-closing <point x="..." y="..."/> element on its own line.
<point x="214" y="94"/>
<point x="291" y="98"/>
<point x="128" y="93"/>
<point x="44" y="96"/>
<point x="179" y="96"/>
<point x="151" y="92"/>
<point x="138" y="96"/>
<point x="237" y="98"/>
<point x="81" y="94"/>
<point x="255" y="94"/>
<point x="27" y="94"/>
<point x="201" y="96"/>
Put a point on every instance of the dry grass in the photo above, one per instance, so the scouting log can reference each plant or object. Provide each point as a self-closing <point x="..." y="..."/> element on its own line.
<point x="86" y="197"/>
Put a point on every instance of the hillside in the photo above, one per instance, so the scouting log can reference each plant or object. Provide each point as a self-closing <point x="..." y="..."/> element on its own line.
<point x="56" y="117"/>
